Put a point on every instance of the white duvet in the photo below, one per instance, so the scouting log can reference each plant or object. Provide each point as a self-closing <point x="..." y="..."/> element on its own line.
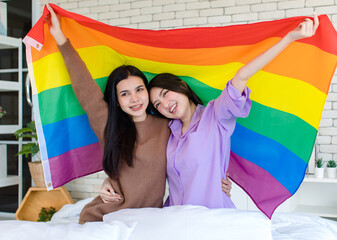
<point x="179" y="222"/>
<point x="302" y="226"/>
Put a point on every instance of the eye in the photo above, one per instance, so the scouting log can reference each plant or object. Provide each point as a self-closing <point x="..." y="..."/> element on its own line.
<point x="124" y="94"/>
<point x="140" y="89"/>
<point x="164" y="93"/>
<point x="156" y="105"/>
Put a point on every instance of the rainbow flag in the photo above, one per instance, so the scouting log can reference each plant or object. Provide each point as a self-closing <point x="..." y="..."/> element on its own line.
<point x="270" y="148"/>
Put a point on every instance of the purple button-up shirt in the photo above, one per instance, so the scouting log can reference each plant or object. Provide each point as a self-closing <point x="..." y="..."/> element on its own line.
<point x="198" y="159"/>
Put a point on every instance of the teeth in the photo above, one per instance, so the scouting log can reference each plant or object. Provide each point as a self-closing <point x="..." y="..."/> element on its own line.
<point x="136" y="106"/>
<point x="172" y="108"/>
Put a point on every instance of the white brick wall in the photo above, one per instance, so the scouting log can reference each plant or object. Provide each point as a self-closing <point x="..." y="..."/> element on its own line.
<point x="165" y="14"/>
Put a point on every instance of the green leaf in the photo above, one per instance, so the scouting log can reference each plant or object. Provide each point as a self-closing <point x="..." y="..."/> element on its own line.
<point x="29" y="148"/>
<point x="34" y="149"/>
<point x="28" y="132"/>
<point x="46" y="215"/>
<point x="22" y="130"/>
<point x="31" y="125"/>
<point x="31" y="129"/>
<point x="319" y="163"/>
<point x="24" y="152"/>
<point x="331" y="164"/>
<point x="29" y="135"/>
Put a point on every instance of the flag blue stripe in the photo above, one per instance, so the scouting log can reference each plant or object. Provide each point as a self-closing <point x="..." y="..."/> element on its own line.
<point x="68" y="134"/>
<point x="285" y="166"/>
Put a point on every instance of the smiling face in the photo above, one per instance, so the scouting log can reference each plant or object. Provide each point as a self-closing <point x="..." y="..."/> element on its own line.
<point x="170" y="104"/>
<point x="133" y="97"/>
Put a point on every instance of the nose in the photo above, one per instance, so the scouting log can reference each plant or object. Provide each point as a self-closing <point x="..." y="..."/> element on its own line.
<point x="134" y="97"/>
<point x="165" y="103"/>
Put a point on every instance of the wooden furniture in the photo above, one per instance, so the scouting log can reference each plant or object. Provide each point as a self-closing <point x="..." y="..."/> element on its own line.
<point x="15" y="87"/>
<point x="37" y="198"/>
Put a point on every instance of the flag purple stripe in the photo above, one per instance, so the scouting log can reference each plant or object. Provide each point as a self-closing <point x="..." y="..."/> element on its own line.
<point x="268" y="194"/>
<point x="84" y="160"/>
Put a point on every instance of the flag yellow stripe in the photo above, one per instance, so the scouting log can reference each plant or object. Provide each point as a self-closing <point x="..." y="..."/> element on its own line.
<point x="279" y="92"/>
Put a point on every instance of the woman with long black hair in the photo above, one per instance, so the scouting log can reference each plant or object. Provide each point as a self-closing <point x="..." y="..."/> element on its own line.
<point x="132" y="140"/>
<point x="134" y="157"/>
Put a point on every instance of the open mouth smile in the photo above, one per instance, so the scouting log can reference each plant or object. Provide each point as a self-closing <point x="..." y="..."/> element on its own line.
<point x="173" y="108"/>
<point x="136" y="107"/>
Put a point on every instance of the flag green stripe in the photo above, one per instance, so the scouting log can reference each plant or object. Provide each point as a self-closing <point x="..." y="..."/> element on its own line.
<point x="50" y="101"/>
<point x="264" y="120"/>
<point x="281" y="126"/>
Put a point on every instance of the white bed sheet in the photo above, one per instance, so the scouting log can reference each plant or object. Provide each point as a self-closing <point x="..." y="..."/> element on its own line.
<point x="64" y="226"/>
<point x="293" y="226"/>
<point x="194" y="223"/>
<point x="21" y="230"/>
<point x="179" y="222"/>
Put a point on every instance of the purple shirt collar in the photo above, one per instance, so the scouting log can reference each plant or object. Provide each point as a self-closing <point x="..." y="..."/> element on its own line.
<point x="176" y="124"/>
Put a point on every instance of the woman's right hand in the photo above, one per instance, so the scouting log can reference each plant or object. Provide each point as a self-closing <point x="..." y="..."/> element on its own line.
<point x="55" y="27"/>
<point x="107" y="193"/>
<point x="305" y="29"/>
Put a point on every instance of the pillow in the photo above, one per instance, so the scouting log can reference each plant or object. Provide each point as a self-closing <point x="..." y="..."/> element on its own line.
<point x="194" y="222"/>
<point x="70" y="213"/>
<point x="15" y="230"/>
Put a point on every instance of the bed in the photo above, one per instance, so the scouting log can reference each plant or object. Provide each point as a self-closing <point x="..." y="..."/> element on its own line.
<point x="178" y="222"/>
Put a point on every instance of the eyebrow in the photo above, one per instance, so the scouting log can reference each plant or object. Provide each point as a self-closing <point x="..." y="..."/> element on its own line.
<point x="123" y="91"/>
<point x="161" y="92"/>
<point x="142" y="85"/>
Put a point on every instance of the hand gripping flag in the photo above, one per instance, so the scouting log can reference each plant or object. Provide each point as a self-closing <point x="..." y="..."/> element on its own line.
<point x="270" y="148"/>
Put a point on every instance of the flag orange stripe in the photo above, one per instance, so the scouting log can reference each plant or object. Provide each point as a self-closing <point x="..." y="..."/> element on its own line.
<point x="294" y="62"/>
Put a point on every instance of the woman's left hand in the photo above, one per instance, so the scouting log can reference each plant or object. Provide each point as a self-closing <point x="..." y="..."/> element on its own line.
<point x="55" y="26"/>
<point x="226" y="185"/>
<point x="305" y="29"/>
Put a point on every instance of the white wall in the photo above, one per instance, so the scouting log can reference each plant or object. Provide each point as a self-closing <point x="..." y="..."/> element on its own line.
<point x="166" y="14"/>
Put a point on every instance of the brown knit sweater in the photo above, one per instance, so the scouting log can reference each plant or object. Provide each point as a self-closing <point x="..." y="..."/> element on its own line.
<point x="142" y="185"/>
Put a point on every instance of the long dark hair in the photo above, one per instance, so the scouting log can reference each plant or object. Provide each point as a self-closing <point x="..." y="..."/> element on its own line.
<point x="173" y="83"/>
<point x="120" y="130"/>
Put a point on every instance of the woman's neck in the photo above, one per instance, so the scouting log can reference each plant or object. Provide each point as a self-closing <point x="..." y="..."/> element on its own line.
<point x="140" y="118"/>
<point x="186" y="120"/>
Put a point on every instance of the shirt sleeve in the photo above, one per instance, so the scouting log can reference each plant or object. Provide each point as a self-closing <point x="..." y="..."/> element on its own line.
<point x="232" y="104"/>
<point x="86" y="90"/>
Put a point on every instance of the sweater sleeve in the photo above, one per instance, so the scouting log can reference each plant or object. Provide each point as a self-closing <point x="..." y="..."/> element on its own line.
<point x="86" y="90"/>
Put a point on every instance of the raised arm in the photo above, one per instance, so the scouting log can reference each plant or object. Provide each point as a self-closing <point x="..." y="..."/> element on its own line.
<point x="55" y="27"/>
<point x="305" y="29"/>
<point x="86" y="90"/>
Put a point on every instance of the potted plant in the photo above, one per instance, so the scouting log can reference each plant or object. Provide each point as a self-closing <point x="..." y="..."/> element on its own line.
<point x="32" y="148"/>
<point x="46" y="214"/>
<point x="319" y="170"/>
<point x="2" y="112"/>
<point x="331" y="169"/>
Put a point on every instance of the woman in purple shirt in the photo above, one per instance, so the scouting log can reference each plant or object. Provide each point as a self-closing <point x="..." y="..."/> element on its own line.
<point x="199" y="146"/>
